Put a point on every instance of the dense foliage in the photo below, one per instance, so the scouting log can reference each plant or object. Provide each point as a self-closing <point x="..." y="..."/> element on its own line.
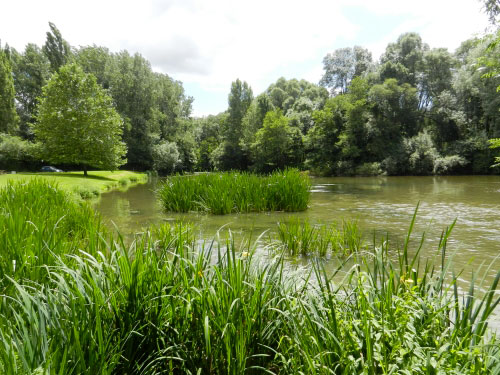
<point x="417" y="111"/>
<point x="77" y="301"/>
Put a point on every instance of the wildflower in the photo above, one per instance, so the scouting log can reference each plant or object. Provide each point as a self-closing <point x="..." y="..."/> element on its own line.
<point x="244" y="254"/>
<point x="404" y="280"/>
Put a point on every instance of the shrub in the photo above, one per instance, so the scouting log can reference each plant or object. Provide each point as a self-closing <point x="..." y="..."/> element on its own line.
<point x="14" y="152"/>
<point x="369" y="169"/>
<point x="166" y="157"/>
<point x="448" y="164"/>
<point x="123" y="181"/>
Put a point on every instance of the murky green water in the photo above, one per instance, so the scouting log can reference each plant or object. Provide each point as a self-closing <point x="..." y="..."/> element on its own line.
<point x="382" y="205"/>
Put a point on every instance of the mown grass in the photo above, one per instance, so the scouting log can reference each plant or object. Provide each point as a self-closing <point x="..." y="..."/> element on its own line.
<point x="76" y="183"/>
<point x="229" y="192"/>
<point x="167" y="304"/>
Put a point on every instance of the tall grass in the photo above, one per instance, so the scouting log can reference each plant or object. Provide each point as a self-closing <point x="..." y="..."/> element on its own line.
<point x="38" y="223"/>
<point x="383" y="318"/>
<point x="228" y="192"/>
<point x="168" y="305"/>
<point x="167" y="311"/>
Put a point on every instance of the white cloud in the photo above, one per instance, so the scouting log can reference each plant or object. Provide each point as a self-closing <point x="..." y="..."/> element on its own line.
<point x="214" y="42"/>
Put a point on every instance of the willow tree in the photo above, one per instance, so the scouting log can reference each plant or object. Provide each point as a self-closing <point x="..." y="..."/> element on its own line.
<point x="77" y="123"/>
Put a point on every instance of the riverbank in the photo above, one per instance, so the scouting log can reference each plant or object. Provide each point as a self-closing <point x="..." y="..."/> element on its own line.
<point x="84" y="187"/>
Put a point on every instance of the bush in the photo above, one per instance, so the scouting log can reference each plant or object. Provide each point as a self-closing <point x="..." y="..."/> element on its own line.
<point x="369" y="169"/>
<point x="15" y="152"/>
<point x="448" y="164"/>
<point x="166" y="157"/>
<point x="421" y="154"/>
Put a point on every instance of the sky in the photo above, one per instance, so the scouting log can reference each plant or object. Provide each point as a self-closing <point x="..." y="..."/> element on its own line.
<point x="207" y="44"/>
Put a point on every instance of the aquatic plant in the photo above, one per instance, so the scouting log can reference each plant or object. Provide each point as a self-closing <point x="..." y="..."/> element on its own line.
<point x="300" y="237"/>
<point x="229" y="192"/>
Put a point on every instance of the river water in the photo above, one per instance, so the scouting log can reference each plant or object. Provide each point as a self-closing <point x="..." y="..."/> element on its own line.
<point x="381" y="205"/>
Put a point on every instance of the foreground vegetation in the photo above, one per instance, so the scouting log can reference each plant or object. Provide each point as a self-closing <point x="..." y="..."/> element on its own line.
<point x="91" y="186"/>
<point x="76" y="301"/>
<point x="224" y="193"/>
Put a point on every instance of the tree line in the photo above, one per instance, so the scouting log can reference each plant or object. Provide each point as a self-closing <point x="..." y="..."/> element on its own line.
<point x="154" y="110"/>
<point x="417" y="110"/>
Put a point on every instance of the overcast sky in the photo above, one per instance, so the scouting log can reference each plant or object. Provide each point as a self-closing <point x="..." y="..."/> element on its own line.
<point x="207" y="44"/>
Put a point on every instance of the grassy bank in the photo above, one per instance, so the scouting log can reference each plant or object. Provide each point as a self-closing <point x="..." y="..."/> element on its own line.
<point x="167" y="305"/>
<point x="88" y="187"/>
<point x="224" y="193"/>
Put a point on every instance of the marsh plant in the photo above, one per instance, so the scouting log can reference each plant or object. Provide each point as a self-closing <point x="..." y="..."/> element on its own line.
<point x="234" y="192"/>
<point x="300" y="237"/>
<point x="168" y="305"/>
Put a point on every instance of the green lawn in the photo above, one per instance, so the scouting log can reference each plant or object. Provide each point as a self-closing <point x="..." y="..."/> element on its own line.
<point x="75" y="182"/>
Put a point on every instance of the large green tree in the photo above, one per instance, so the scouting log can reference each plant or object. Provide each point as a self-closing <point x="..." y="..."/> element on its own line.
<point x="77" y="123"/>
<point x="231" y="153"/>
<point x="404" y="59"/>
<point x="277" y="145"/>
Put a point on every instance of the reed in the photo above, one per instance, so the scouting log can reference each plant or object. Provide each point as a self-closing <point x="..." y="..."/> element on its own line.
<point x="234" y="192"/>
<point x="169" y="304"/>
<point x="38" y="223"/>
<point x="298" y="237"/>
<point x="391" y="318"/>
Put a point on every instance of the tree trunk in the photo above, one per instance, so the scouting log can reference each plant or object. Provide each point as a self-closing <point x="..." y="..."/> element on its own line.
<point x="85" y="170"/>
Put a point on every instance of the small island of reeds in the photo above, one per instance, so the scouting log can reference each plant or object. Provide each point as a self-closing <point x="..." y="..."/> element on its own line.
<point x="236" y="192"/>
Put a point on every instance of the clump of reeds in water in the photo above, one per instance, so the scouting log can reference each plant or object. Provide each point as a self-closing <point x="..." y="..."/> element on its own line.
<point x="234" y="192"/>
<point x="303" y="238"/>
<point x="167" y="305"/>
